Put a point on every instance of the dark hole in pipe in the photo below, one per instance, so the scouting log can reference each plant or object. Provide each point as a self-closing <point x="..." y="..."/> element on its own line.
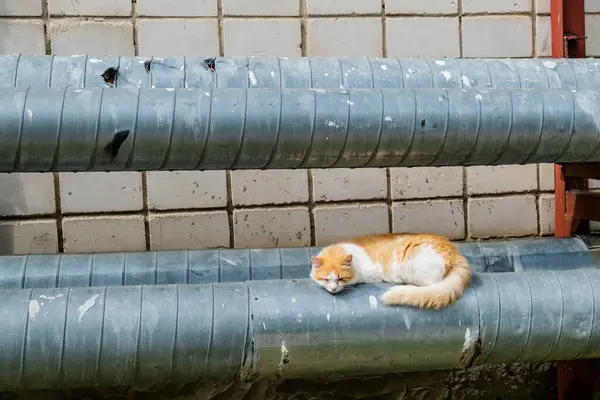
<point x="423" y="123"/>
<point x="209" y="63"/>
<point x="112" y="148"/>
<point x="147" y="64"/>
<point x="110" y="75"/>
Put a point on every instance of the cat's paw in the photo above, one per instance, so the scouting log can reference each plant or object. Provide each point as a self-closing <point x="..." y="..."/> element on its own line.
<point x="393" y="297"/>
<point x="399" y="295"/>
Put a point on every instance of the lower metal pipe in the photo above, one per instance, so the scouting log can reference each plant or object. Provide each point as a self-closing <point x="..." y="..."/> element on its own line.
<point x="211" y="266"/>
<point x="149" y="336"/>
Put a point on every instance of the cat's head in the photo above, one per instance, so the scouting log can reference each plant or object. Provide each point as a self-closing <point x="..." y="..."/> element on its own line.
<point x="332" y="269"/>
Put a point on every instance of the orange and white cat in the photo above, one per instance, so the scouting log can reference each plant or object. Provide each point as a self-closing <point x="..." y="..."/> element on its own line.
<point x="429" y="270"/>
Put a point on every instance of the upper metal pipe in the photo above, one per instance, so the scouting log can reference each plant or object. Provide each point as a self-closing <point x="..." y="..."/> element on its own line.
<point x="50" y="129"/>
<point x="213" y="266"/>
<point x="301" y="72"/>
<point x="148" y="336"/>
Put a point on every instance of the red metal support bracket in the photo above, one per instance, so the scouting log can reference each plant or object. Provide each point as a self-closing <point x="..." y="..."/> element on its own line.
<point x="567" y="18"/>
<point x="567" y="224"/>
<point x="574" y="205"/>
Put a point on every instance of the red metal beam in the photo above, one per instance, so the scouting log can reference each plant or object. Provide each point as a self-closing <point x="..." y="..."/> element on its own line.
<point x="583" y="205"/>
<point x="582" y="170"/>
<point x="567" y="19"/>
<point x="566" y="224"/>
<point x="577" y="380"/>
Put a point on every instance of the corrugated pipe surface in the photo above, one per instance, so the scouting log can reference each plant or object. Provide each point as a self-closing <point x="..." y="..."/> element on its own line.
<point x="334" y="136"/>
<point x="146" y="336"/>
<point x="306" y="72"/>
<point x="213" y="266"/>
<point x="50" y="129"/>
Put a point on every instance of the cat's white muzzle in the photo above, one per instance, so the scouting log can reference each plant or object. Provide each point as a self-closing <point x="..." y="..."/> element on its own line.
<point x="333" y="287"/>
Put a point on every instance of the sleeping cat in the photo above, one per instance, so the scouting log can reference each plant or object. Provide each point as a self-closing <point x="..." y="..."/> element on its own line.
<point x="433" y="271"/>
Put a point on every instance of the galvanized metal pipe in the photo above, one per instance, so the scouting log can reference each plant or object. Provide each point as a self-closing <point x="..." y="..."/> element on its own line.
<point x="305" y="72"/>
<point x="49" y="129"/>
<point x="147" y="336"/>
<point x="213" y="266"/>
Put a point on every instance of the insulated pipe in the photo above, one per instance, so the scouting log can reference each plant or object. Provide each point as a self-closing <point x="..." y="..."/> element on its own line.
<point x="49" y="129"/>
<point x="213" y="266"/>
<point x="301" y="72"/>
<point x="148" y="336"/>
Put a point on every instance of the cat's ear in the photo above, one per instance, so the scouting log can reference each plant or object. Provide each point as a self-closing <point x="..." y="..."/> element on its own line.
<point x="316" y="261"/>
<point x="347" y="262"/>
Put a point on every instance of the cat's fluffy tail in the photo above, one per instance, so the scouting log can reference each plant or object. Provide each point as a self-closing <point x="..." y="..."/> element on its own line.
<point x="436" y="296"/>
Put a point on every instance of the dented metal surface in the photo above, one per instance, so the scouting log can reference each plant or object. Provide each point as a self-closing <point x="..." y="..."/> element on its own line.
<point x="449" y="112"/>
<point x="148" y="336"/>
<point x="92" y="129"/>
<point x="237" y="265"/>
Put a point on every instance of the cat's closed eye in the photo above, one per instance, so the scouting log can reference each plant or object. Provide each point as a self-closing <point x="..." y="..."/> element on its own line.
<point x="338" y="281"/>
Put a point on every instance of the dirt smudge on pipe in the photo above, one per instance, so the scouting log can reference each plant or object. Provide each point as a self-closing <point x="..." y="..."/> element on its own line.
<point x="85" y="307"/>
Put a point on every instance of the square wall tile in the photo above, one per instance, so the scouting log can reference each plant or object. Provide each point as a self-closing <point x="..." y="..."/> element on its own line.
<point x="90" y="7"/>
<point x="189" y="231"/>
<point x="497" y="36"/>
<point x="445" y="42"/>
<point x="180" y="8"/>
<point x="339" y="222"/>
<point x="502" y="216"/>
<point x="104" y="234"/>
<point x="543" y="37"/>
<point x="21" y="8"/>
<point x="349" y="184"/>
<point x="333" y="7"/>
<point x="442" y="217"/>
<point x="34" y="236"/>
<point x="255" y="187"/>
<point x="84" y="192"/>
<point x="349" y="37"/>
<point x="592" y="31"/>
<point x="27" y="194"/>
<point x="501" y="179"/>
<point x="271" y="227"/>
<point x="23" y="37"/>
<point x="591" y="6"/>
<point x="495" y="6"/>
<point x="106" y="38"/>
<point x="542" y="6"/>
<point x="178" y="37"/>
<point x="421" y="7"/>
<point x="262" y="37"/>
<point x="426" y="182"/>
<point x="546" y="177"/>
<point x="594" y="184"/>
<point x="186" y="189"/>
<point x="546" y="207"/>
<point x="261" y="7"/>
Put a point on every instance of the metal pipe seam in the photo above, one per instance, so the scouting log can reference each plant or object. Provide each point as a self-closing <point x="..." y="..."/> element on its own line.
<point x="50" y="129"/>
<point x="238" y="265"/>
<point x="148" y="336"/>
<point x="302" y="72"/>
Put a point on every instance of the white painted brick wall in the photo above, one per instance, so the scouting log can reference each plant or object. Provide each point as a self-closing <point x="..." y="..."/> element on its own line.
<point x="200" y="209"/>
<point x="445" y="43"/>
